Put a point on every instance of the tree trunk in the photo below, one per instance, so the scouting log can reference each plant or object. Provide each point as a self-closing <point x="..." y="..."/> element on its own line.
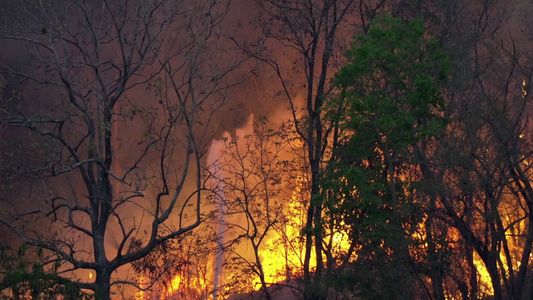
<point x="473" y="271"/>
<point x="103" y="284"/>
<point x="313" y="289"/>
<point x="436" y="268"/>
<point x="492" y="269"/>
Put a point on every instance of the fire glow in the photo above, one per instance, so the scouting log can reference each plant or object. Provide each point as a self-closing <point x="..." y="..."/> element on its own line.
<point x="263" y="207"/>
<point x="281" y="252"/>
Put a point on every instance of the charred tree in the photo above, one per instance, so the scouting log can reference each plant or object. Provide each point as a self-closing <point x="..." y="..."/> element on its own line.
<point x="109" y="128"/>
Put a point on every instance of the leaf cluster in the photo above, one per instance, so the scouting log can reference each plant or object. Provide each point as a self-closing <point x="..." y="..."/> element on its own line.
<point x="24" y="276"/>
<point x="388" y="100"/>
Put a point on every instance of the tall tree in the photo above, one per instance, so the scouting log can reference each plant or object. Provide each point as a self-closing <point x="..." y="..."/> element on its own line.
<point x="389" y="101"/>
<point x="105" y="125"/>
<point x="475" y="181"/>
<point x="302" y="44"/>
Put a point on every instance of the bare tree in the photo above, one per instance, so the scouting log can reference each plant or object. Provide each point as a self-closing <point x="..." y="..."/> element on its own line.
<point x="251" y="180"/>
<point x="479" y="169"/>
<point x="106" y="120"/>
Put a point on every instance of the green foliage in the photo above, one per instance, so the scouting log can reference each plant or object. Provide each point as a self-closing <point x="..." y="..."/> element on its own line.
<point x="389" y="100"/>
<point x="390" y="87"/>
<point x="23" y="276"/>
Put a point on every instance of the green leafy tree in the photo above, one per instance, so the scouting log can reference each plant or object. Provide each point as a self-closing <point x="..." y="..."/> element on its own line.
<point x="389" y="100"/>
<point x="28" y="274"/>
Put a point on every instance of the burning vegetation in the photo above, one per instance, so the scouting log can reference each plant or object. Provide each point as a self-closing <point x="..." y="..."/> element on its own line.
<point x="276" y="149"/>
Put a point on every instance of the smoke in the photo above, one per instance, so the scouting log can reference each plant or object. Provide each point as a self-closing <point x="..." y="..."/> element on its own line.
<point x="215" y="169"/>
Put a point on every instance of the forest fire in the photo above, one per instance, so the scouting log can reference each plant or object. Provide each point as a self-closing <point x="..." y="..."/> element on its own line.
<point x="281" y="253"/>
<point x="179" y="286"/>
<point x="267" y="149"/>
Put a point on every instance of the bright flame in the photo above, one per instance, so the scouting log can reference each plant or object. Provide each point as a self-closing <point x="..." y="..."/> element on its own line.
<point x="179" y="287"/>
<point x="282" y="255"/>
<point x="139" y="295"/>
<point x="485" y="282"/>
